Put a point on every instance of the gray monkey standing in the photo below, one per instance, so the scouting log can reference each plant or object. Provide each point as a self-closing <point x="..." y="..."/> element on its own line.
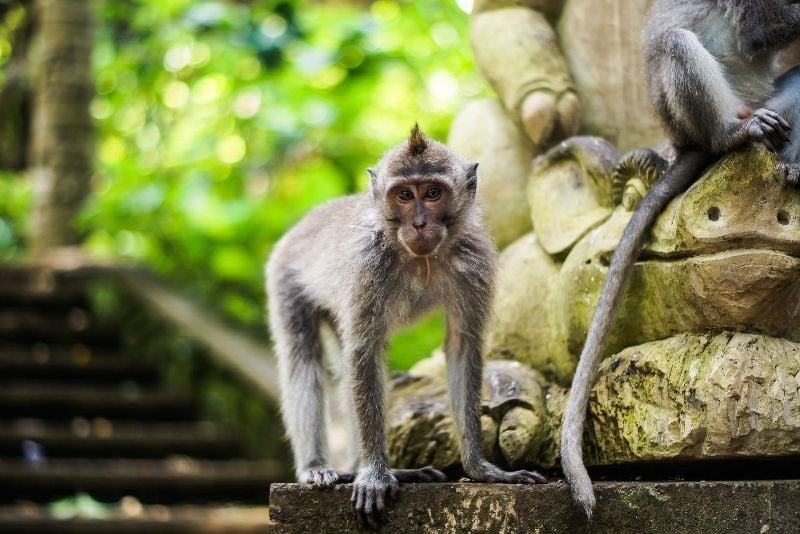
<point x="710" y="74"/>
<point x="366" y="264"/>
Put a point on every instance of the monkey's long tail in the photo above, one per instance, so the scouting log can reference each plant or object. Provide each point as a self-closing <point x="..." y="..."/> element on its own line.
<point x="687" y="166"/>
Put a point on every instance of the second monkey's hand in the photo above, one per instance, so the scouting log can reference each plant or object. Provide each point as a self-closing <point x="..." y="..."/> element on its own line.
<point x="485" y="471"/>
<point x="373" y="487"/>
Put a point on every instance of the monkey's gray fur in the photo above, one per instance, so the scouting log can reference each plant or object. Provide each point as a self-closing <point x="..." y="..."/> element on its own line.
<point x="710" y="74"/>
<point x="346" y="263"/>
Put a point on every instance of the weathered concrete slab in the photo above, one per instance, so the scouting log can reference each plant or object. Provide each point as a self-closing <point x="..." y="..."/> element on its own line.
<point x="623" y="507"/>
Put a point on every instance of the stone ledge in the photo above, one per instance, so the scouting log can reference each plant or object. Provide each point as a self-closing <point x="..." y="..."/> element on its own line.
<point x="623" y="507"/>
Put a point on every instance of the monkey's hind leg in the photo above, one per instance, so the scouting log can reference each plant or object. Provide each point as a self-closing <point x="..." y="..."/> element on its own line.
<point x="698" y="104"/>
<point x="295" y="328"/>
<point x="786" y="102"/>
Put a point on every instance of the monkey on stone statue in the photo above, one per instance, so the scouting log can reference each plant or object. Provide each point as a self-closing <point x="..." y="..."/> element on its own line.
<point x="710" y="74"/>
<point x="366" y="264"/>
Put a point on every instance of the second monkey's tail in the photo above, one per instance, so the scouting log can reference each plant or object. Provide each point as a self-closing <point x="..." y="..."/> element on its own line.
<point x="687" y="166"/>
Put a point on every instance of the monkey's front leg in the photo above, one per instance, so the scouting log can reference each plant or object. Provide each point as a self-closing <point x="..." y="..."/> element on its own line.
<point x="375" y="483"/>
<point x="464" y="376"/>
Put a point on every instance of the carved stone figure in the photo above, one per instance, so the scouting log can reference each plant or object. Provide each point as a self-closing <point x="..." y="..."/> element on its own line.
<point x="558" y="67"/>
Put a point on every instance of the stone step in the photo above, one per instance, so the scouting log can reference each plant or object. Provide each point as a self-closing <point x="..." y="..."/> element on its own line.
<point x="44" y="350"/>
<point x="66" y="400"/>
<point x="26" y="363"/>
<point x="102" y="438"/>
<point x="29" y="286"/>
<point x="173" y="480"/>
<point x="68" y="325"/>
<point x="130" y="517"/>
<point x="722" y="507"/>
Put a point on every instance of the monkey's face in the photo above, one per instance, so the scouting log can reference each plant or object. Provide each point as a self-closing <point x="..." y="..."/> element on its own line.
<point x="420" y="212"/>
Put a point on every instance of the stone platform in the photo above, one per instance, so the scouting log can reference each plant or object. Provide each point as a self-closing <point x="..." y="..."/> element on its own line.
<point x="623" y="507"/>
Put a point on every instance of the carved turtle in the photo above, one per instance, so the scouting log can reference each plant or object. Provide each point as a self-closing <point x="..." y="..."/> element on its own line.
<point x="723" y="255"/>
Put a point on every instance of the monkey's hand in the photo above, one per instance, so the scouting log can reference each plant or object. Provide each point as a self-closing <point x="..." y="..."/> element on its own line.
<point x="547" y="117"/>
<point x="324" y="477"/>
<point x="373" y="487"/>
<point x="488" y="472"/>
<point x="766" y="127"/>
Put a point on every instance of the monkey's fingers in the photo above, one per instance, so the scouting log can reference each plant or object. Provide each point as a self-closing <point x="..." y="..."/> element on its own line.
<point x="326" y="477"/>
<point x="435" y="474"/>
<point x="373" y="510"/>
<point x="424" y="474"/>
<point x="783" y="122"/>
<point x="776" y="129"/>
<point x="368" y="521"/>
<point x="380" y="504"/>
<point x="793" y="174"/>
<point x="529" y="477"/>
<point x="359" y="502"/>
<point x="343" y="477"/>
<point x="765" y="140"/>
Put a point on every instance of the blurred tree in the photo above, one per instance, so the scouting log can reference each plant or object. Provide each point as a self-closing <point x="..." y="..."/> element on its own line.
<point x="62" y="140"/>
<point x="220" y="123"/>
<point x="15" y="94"/>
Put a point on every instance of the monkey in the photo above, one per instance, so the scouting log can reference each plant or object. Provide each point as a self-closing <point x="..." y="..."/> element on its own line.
<point x="367" y="264"/>
<point x="710" y="76"/>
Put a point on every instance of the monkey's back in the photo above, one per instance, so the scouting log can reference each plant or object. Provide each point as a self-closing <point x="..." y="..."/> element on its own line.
<point x="318" y="252"/>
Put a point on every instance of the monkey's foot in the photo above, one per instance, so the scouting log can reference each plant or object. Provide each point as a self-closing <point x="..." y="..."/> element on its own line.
<point x="767" y="127"/>
<point x="425" y="474"/>
<point x="373" y="487"/>
<point x="793" y="174"/>
<point x="487" y="472"/>
<point x="324" y="477"/>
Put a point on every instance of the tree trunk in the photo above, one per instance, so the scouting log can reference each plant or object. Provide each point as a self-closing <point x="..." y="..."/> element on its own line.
<point x="62" y="137"/>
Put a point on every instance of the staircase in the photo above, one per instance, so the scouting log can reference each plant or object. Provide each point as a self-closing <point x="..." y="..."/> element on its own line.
<point x="92" y="441"/>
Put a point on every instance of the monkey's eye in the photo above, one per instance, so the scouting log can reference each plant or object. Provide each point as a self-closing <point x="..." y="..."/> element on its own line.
<point x="433" y="193"/>
<point x="405" y="195"/>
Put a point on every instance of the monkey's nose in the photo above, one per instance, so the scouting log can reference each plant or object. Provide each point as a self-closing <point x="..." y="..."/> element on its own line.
<point x="419" y="225"/>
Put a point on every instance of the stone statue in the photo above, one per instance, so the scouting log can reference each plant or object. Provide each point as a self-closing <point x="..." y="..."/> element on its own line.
<point x="555" y="64"/>
<point x="558" y="67"/>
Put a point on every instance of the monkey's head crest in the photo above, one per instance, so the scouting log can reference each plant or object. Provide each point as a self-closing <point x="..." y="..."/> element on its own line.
<point x="417" y="141"/>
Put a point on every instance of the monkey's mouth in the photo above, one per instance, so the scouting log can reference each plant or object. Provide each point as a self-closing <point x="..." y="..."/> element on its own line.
<point x="420" y="244"/>
<point x="420" y="248"/>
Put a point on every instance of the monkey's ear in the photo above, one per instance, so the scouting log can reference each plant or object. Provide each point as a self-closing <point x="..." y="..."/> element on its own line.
<point x="472" y="180"/>
<point x="373" y="180"/>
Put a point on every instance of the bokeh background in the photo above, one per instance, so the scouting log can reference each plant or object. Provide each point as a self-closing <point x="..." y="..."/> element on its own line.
<point x="220" y="123"/>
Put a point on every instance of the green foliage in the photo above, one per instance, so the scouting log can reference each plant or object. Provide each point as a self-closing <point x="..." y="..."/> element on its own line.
<point x="15" y="202"/>
<point x="221" y="123"/>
